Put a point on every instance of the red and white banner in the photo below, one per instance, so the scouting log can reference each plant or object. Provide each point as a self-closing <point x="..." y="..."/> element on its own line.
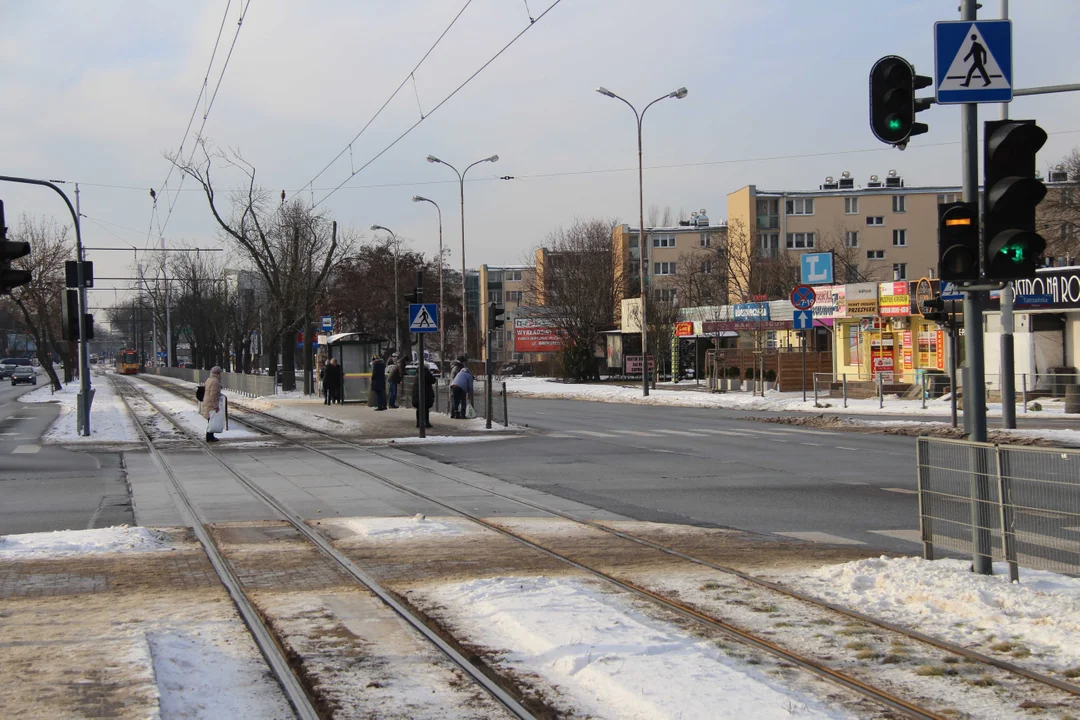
<point x="533" y="335"/>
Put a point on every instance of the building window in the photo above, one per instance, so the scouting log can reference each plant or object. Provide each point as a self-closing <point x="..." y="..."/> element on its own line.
<point x="667" y="295"/>
<point x="899" y="203"/>
<point x="664" y="268"/>
<point x="851" y="239"/>
<point x="851" y="206"/>
<point x="800" y="241"/>
<point x="495" y="296"/>
<point x="947" y="198"/>
<point x="633" y="242"/>
<point x="513" y="276"/>
<point x="706" y="268"/>
<point x="874" y="220"/>
<point x="706" y="241"/>
<point x="663" y="241"/>
<point x="899" y="271"/>
<point x="875" y="254"/>
<point x="899" y="238"/>
<point x="770" y="244"/>
<point x="513" y="296"/>
<point x="800" y="206"/>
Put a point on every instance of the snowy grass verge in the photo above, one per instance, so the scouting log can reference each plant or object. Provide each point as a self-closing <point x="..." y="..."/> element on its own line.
<point x="61" y="543"/>
<point x="109" y="418"/>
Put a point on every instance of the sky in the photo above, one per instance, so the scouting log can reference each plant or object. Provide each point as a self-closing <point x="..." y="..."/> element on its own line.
<point x="98" y="93"/>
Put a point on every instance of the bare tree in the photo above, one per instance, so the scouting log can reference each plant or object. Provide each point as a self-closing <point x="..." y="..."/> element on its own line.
<point x="1058" y="217"/>
<point x="578" y="283"/>
<point x="756" y="273"/>
<point x="667" y="216"/>
<point x="654" y="215"/>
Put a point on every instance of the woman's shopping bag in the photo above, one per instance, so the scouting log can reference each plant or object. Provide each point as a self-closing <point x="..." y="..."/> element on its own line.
<point x="216" y="423"/>
<point x="470" y="412"/>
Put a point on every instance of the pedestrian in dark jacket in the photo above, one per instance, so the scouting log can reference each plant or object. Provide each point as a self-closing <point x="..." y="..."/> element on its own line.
<point x="462" y="389"/>
<point x="424" y="376"/>
<point x="394" y="377"/>
<point x="378" y="381"/>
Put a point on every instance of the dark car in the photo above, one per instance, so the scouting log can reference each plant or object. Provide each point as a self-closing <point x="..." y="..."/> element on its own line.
<point x="8" y="365"/>
<point x="516" y="370"/>
<point x="23" y="374"/>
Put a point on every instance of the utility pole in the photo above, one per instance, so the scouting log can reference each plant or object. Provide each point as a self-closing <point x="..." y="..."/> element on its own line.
<point x="1008" y="367"/>
<point x="421" y="365"/>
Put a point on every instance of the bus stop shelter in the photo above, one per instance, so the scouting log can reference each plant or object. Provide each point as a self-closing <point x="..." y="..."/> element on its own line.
<point x="354" y="351"/>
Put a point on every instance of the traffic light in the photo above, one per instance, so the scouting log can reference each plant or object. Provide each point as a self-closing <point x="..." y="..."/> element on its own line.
<point x="934" y="310"/>
<point x="10" y="250"/>
<point x="495" y="319"/>
<point x="958" y="242"/>
<point x="69" y="315"/>
<point x="1011" y="194"/>
<point x="89" y="326"/>
<point x="412" y="297"/>
<point x="893" y="105"/>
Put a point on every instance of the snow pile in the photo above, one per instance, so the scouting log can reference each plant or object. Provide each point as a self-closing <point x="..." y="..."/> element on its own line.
<point x="604" y="659"/>
<point x="1040" y="615"/>
<point x="109" y="419"/>
<point x="120" y="538"/>
<point x="402" y="528"/>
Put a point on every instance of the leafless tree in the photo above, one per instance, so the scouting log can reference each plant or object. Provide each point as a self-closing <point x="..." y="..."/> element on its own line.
<point x="1058" y="218"/>
<point x="654" y="215"/>
<point x="667" y="216"/>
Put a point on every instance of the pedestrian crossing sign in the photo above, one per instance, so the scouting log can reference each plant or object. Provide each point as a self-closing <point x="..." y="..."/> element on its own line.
<point x="973" y="62"/>
<point x="423" y="317"/>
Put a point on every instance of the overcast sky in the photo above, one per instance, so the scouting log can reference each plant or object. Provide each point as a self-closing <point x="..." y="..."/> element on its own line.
<point x="98" y="92"/>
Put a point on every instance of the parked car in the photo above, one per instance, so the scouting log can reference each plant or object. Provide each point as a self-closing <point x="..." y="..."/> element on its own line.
<point x="23" y="374"/>
<point x="410" y="369"/>
<point x="8" y="365"/>
<point x="517" y="370"/>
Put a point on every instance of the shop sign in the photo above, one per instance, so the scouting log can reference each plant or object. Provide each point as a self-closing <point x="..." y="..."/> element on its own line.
<point x="940" y="349"/>
<point x="908" y="351"/>
<point x="826" y="305"/>
<point x="752" y="311"/>
<point x="861" y="299"/>
<point x="711" y="328"/>
<point x="633" y="364"/>
<point x="894" y="299"/>
<point x="882" y="360"/>
<point x="683" y="329"/>
<point x="1062" y="285"/>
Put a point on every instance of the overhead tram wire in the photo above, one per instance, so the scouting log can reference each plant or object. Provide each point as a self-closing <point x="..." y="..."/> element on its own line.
<point x="194" y="110"/>
<point x="209" y="107"/>
<point x="442" y="102"/>
<point x="378" y="112"/>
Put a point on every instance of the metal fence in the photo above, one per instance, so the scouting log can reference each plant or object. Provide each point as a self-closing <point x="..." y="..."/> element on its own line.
<point x="250" y="385"/>
<point x="480" y="389"/>
<point x="1017" y="504"/>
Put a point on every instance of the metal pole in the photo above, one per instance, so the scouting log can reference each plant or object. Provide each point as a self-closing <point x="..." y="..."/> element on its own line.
<point x="86" y="395"/>
<point x="954" y="352"/>
<point x="1023" y="379"/>
<point x="464" y="302"/>
<point x="802" y="336"/>
<point x="168" y="317"/>
<point x="421" y="365"/>
<point x="397" y="298"/>
<point x="1008" y="382"/>
<point x="506" y="415"/>
<point x="845" y="390"/>
<point x="442" y="321"/>
<point x="880" y="391"/>
<point x="643" y="265"/>
<point x="487" y="379"/>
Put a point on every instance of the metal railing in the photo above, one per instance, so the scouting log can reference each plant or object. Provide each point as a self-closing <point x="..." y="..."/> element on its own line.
<point x="1011" y="503"/>
<point x="480" y="388"/>
<point x="250" y="385"/>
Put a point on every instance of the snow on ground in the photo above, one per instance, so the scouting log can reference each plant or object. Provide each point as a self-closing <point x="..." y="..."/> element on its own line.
<point x="435" y="440"/>
<point x="1035" y="622"/>
<point x="601" y="658"/>
<point x="109" y="419"/>
<point x="120" y="538"/>
<point x="186" y="412"/>
<point x="403" y="528"/>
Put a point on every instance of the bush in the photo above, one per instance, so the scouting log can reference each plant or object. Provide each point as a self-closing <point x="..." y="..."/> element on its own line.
<point x="750" y="373"/>
<point x="733" y="372"/>
<point x="770" y="375"/>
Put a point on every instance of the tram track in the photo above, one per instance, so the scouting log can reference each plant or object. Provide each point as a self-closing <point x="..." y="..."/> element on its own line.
<point x="860" y="686"/>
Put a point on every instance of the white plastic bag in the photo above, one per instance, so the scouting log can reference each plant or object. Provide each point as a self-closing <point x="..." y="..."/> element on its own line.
<point x="216" y="423"/>
<point x="470" y="412"/>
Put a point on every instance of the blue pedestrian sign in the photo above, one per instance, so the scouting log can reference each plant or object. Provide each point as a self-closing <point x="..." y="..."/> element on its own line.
<point x="949" y="291"/>
<point x="423" y="317"/>
<point x="973" y="61"/>
<point x="817" y="269"/>
<point x="802" y="320"/>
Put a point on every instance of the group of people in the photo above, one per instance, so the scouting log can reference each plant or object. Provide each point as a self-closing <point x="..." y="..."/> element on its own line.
<point x="380" y="378"/>
<point x="332" y="379"/>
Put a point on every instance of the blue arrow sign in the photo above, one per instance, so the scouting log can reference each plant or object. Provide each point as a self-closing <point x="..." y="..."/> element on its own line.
<point x="423" y="317"/>
<point x="802" y="320"/>
<point x="973" y="61"/>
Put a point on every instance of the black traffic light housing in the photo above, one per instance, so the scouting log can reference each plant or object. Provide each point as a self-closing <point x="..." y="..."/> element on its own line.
<point x="69" y="315"/>
<point x="893" y="105"/>
<point x="11" y="250"/>
<point x="495" y="319"/>
<point x="958" y="242"/>
<point x="412" y="297"/>
<point x="933" y="309"/>
<point x="1011" y="194"/>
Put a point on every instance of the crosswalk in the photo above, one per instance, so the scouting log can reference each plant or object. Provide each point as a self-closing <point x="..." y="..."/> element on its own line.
<point x="697" y="432"/>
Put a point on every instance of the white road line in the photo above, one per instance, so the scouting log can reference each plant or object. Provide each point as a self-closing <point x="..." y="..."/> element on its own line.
<point x="769" y="432"/>
<point x="904" y="491"/>
<point x="558" y="435"/>
<point x="685" y="433"/>
<point x="812" y="444"/>
<point x="731" y="433"/>
<point x="912" y="536"/>
<point x="820" y="537"/>
<point x="30" y="449"/>
<point x="807" y="432"/>
<point x="20" y="417"/>
<point x="638" y="433"/>
<point x="591" y="433"/>
<point x="850" y="482"/>
<point x="841" y="447"/>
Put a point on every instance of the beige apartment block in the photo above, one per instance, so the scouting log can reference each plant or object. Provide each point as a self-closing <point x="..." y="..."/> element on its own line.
<point x="878" y="231"/>
<point x="509" y="287"/>
<point x="673" y="256"/>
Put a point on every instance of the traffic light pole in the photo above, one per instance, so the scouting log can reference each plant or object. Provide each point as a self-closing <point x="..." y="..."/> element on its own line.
<point x="1008" y="364"/>
<point x="86" y="394"/>
<point x="421" y="364"/>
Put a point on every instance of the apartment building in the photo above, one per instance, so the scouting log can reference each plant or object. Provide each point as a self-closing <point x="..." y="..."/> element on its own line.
<point x="684" y="259"/>
<point x="509" y="287"/>
<point x="878" y="231"/>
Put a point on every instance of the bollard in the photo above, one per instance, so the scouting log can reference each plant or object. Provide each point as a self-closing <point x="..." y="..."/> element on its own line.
<point x="506" y="417"/>
<point x="1023" y="380"/>
<point x="845" y="389"/>
<point x="880" y="392"/>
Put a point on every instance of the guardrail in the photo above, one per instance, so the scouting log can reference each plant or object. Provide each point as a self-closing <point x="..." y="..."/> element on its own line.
<point x="250" y="385"/>
<point x="1011" y="503"/>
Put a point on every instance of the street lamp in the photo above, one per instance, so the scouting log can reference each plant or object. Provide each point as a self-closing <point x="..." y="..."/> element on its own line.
<point x="397" y="296"/>
<point x="461" y="183"/>
<point x="678" y="95"/>
<point x="442" y="321"/>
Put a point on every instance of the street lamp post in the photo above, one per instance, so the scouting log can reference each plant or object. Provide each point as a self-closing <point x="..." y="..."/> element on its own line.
<point x="461" y="184"/>
<point x="397" y="296"/>
<point x="678" y="95"/>
<point x="442" y="321"/>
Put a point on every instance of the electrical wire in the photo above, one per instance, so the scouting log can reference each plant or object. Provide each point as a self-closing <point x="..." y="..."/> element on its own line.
<point x="348" y="147"/>
<point x="442" y="102"/>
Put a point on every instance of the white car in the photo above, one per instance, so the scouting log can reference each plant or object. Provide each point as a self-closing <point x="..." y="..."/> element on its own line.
<point x="410" y="369"/>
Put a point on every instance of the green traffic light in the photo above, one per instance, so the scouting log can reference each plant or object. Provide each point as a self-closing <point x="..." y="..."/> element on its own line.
<point x="895" y="123"/>
<point x="1015" y="251"/>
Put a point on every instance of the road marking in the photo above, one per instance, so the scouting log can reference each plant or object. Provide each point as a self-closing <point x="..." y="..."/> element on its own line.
<point x="769" y="432"/>
<point x="638" y="433"/>
<point x="10" y="434"/>
<point x="723" y="432"/>
<point x="686" y="433"/>
<point x="557" y="435"/>
<point x="591" y="433"/>
<point x="806" y="432"/>
<point x="20" y="417"/>
<point x="850" y="482"/>
<point x="1071" y="529"/>
<point x="905" y="491"/>
<point x="912" y="536"/>
<point x="27" y="449"/>
<point x="820" y="537"/>
<point x="841" y="447"/>
<point x="812" y="444"/>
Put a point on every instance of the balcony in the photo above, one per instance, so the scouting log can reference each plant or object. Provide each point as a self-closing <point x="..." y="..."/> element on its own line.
<point x="768" y="222"/>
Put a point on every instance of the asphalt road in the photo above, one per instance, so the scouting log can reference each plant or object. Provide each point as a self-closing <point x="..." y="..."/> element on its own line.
<point x="45" y="487"/>
<point x="710" y="467"/>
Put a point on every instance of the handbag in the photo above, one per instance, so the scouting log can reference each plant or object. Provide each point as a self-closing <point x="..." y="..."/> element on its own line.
<point x="200" y="392"/>
<point x="470" y="412"/>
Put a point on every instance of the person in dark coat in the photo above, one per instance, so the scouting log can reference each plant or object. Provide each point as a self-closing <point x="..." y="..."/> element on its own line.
<point x="424" y="376"/>
<point x="378" y="381"/>
<point x="331" y="381"/>
<point x="394" y="377"/>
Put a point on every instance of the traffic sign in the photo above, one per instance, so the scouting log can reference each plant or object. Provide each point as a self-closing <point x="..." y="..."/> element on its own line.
<point x="803" y="297"/>
<point x="973" y="61"/>
<point x="949" y="291"/>
<point x="423" y="317"/>
<point x="327" y="323"/>
<point x="802" y="320"/>
<point x="816" y="269"/>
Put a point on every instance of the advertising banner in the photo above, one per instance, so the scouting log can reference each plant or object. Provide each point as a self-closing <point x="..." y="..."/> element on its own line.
<point x="533" y="335"/>
<point x="827" y="301"/>
<point x="752" y="311"/>
<point x="940" y="349"/>
<point x="710" y="328"/>
<point x="683" y="329"/>
<point x="860" y="299"/>
<point x="908" y="351"/>
<point x="633" y="364"/>
<point x="894" y="299"/>
<point x="882" y="359"/>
